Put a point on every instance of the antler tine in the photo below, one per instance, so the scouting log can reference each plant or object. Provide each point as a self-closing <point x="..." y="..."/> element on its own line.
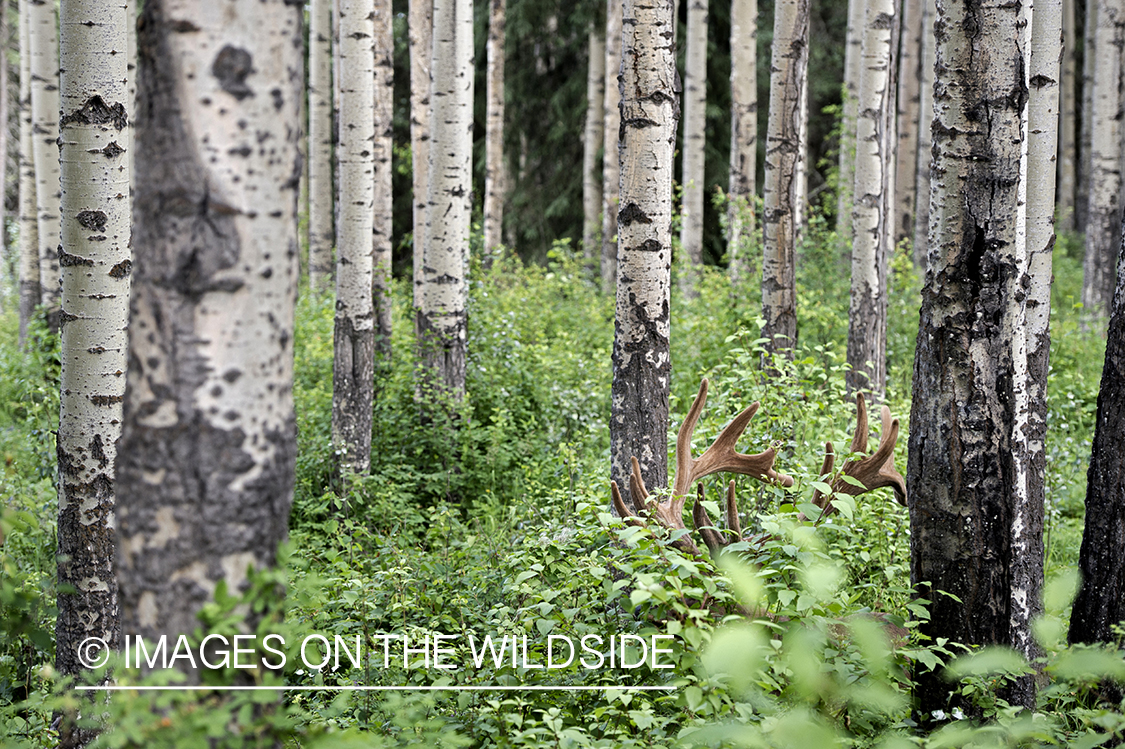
<point x="684" y="461"/>
<point x="874" y="471"/>
<point x="733" y="522"/>
<point x="859" y="441"/>
<point x="623" y="510"/>
<point x="638" y="492"/>
<point x="818" y="498"/>
<point x="702" y="522"/>
<point x="722" y="456"/>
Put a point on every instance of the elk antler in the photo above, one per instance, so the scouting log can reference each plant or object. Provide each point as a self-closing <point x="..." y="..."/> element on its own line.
<point x="873" y="472"/>
<point x="720" y="456"/>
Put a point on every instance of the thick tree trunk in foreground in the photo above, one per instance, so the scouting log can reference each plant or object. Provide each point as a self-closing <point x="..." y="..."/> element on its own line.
<point x="442" y="319"/>
<point x="611" y="167"/>
<point x="743" y="134"/>
<point x="872" y="215"/>
<point x="383" y="197"/>
<point x="95" y="259"/>
<point x="1103" y="212"/>
<point x="322" y="232"/>
<point x="784" y="197"/>
<point x="1068" y="147"/>
<point x="594" y="135"/>
<point x="695" y="120"/>
<point x="966" y="480"/>
<point x="925" y="139"/>
<point x="421" y="25"/>
<point x="853" y="63"/>
<point x="354" y="337"/>
<point x="642" y="365"/>
<point x="1101" y="593"/>
<point x="494" y="186"/>
<point x="30" y="284"/>
<point x="908" y="124"/>
<point x="44" y="47"/>
<point x="206" y="459"/>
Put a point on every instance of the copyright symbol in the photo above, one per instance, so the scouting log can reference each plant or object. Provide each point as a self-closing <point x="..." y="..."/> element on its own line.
<point x="93" y="652"/>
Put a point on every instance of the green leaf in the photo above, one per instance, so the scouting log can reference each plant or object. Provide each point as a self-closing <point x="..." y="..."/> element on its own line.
<point x="990" y="660"/>
<point x="639" y="596"/>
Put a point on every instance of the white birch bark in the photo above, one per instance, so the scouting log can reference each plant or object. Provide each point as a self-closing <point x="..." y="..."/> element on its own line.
<point x="871" y="219"/>
<point x="421" y="56"/>
<point x="783" y="199"/>
<point x="321" y="138"/>
<point x="695" y="120"/>
<point x="1089" y="55"/>
<point x="206" y="460"/>
<point x="30" y="284"/>
<point x="923" y="194"/>
<point x="611" y="167"/>
<point x="383" y="198"/>
<point x="130" y="83"/>
<point x="743" y="134"/>
<point x="96" y="263"/>
<point x="494" y="186"/>
<point x="44" y="43"/>
<point x="442" y="322"/>
<point x="641" y="356"/>
<point x="354" y="340"/>
<point x="853" y="62"/>
<point x="592" y="141"/>
<point x="909" y="90"/>
<point x="1068" y="117"/>
<point x="1103" y="213"/>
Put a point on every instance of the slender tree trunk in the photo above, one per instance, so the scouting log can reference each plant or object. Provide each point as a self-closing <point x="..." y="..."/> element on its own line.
<point x="383" y="199"/>
<point x="44" y="41"/>
<point x="30" y="284"/>
<point x="130" y="132"/>
<point x="96" y="259"/>
<point x="354" y="341"/>
<point x="909" y="101"/>
<point x="867" y="317"/>
<point x="1068" y="148"/>
<point x="1089" y="55"/>
<point x="595" y="134"/>
<point x="695" y="122"/>
<point x="1100" y="604"/>
<point x="965" y="479"/>
<point x="611" y="167"/>
<point x="321" y="229"/>
<point x="925" y="139"/>
<point x="494" y="186"/>
<point x="421" y="23"/>
<point x="206" y="458"/>
<point x="642" y="364"/>
<point x="853" y="63"/>
<point x="1103" y="212"/>
<point x="442" y="321"/>
<point x="5" y="115"/>
<point x="743" y="134"/>
<point x="784" y="151"/>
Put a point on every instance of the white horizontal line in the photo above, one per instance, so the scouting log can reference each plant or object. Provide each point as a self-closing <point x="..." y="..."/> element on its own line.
<point x="518" y="688"/>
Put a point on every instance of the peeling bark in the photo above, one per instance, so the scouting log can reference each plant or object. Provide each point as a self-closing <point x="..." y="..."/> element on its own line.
<point x="642" y="365"/>
<point x="743" y="133"/>
<point x="611" y="167"/>
<point x="206" y="458"/>
<point x="594" y="135"/>
<point x="321" y="230"/>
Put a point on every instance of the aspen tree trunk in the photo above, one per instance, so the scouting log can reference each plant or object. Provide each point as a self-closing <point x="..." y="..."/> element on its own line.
<point x="130" y="85"/>
<point x="925" y="139"/>
<point x="442" y="320"/>
<point x="784" y="199"/>
<point x="695" y="121"/>
<point x="743" y="133"/>
<point x="871" y="217"/>
<point x="594" y="135"/>
<point x="354" y="339"/>
<point x="642" y="365"/>
<point x="1068" y="116"/>
<point x="421" y="56"/>
<point x="1042" y="147"/>
<point x="30" y="284"/>
<point x="96" y="264"/>
<point x="206" y="458"/>
<point x="965" y="478"/>
<point x="1089" y="55"/>
<point x="494" y="186"/>
<point x="321" y="229"/>
<point x="1103" y="212"/>
<point x="383" y="199"/>
<point x="44" y="45"/>
<point x="1100" y="604"/>
<point x="909" y="101"/>
<point x="853" y="62"/>
<point x="611" y="167"/>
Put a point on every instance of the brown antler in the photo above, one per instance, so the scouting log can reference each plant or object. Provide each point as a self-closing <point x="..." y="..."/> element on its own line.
<point x="873" y="472"/>
<point x="720" y="456"/>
